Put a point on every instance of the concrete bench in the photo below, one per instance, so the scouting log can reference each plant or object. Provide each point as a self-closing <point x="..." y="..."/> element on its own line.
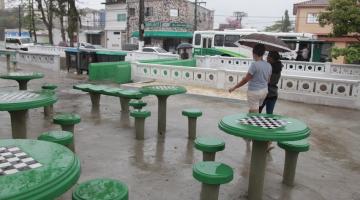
<point x="192" y="115"/>
<point x="292" y="150"/>
<point x="209" y="146"/>
<point x="104" y="189"/>
<point x="49" y="110"/>
<point x="65" y="138"/>
<point x="140" y="116"/>
<point x="212" y="175"/>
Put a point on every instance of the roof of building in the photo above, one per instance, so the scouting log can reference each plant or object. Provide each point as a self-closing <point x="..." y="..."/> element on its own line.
<point x="311" y="3"/>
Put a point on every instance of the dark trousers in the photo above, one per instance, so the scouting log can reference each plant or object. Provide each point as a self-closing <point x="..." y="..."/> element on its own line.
<point x="269" y="102"/>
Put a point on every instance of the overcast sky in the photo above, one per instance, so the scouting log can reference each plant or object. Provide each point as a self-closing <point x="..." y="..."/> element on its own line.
<point x="261" y="13"/>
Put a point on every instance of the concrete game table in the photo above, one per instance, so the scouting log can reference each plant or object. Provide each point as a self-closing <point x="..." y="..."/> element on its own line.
<point x="18" y="102"/>
<point x="261" y="128"/>
<point x="162" y="92"/>
<point x="36" y="170"/>
<point x="22" y="77"/>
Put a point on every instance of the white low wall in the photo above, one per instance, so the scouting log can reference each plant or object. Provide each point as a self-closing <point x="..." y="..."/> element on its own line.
<point x="133" y="56"/>
<point x="44" y="60"/>
<point x="48" y="49"/>
<point x="315" y="90"/>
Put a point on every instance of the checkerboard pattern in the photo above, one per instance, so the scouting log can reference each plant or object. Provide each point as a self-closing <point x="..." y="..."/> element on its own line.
<point x="17" y="96"/>
<point x="164" y="87"/>
<point x="14" y="160"/>
<point x="263" y="122"/>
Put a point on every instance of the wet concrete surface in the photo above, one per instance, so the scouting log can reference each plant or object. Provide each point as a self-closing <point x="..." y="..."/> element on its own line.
<point x="160" y="168"/>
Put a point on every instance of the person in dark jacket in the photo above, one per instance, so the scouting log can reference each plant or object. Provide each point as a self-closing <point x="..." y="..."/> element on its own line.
<point x="274" y="59"/>
<point x="270" y="100"/>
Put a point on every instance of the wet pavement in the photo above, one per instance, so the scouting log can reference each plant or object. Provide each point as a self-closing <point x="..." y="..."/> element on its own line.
<point x="160" y="168"/>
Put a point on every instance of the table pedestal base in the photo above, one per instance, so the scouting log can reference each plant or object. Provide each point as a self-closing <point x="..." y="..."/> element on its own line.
<point x="69" y="128"/>
<point x="22" y="84"/>
<point x="162" y="114"/>
<point x="124" y="103"/>
<point x="290" y="167"/>
<point x="192" y="128"/>
<point x="257" y="170"/>
<point x="209" y="192"/>
<point x="48" y="110"/>
<point x="18" y="124"/>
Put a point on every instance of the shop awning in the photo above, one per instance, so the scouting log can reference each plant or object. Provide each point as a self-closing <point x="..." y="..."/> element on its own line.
<point x="165" y="34"/>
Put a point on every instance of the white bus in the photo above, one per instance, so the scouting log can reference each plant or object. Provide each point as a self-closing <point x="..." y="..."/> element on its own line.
<point x="222" y="43"/>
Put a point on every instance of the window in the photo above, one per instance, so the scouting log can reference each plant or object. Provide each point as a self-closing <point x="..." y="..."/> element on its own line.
<point x="149" y="11"/>
<point x="230" y="40"/>
<point x="219" y="40"/>
<point x="131" y="11"/>
<point x="116" y="33"/>
<point x="121" y="17"/>
<point x="312" y="18"/>
<point x="174" y="12"/>
<point x="148" y="50"/>
<point x="197" y="39"/>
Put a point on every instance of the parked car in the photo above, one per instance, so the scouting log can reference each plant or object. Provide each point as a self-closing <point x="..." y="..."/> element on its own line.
<point x="18" y="43"/>
<point x="155" y="50"/>
<point x="90" y="46"/>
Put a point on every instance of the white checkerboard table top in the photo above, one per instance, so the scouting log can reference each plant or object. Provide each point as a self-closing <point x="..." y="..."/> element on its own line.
<point x="263" y="122"/>
<point x="17" y="96"/>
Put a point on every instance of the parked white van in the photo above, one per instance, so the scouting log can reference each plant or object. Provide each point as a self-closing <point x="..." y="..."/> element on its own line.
<point x="18" y="43"/>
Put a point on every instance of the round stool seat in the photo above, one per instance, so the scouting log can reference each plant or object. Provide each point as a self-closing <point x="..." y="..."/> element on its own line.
<point x="101" y="189"/>
<point x="213" y="173"/>
<point x="296" y="146"/>
<point x="137" y="104"/>
<point x="49" y="86"/>
<point x="66" y="119"/>
<point x="193" y="112"/>
<point x="60" y="137"/>
<point x="209" y="144"/>
<point x="140" y="113"/>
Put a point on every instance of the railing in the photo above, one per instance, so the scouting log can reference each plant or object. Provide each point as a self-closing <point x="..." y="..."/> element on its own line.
<point x="290" y="67"/>
<point x="307" y="89"/>
<point x="48" y="49"/>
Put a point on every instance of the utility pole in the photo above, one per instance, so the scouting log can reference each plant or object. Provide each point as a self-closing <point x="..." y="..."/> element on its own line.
<point x="78" y="45"/>
<point x="20" y="20"/>
<point x="141" y="24"/>
<point x="196" y="3"/>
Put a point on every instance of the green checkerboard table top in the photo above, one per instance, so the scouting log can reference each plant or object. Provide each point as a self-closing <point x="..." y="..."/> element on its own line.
<point x="101" y="189"/>
<point x="296" y="146"/>
<point x="59" y="137"/>
<point x="263" y="127"/>
<point x="23" y="100"/>
<point x="209" y="144"/>
<point x="163" y="90"/>
<point x="213" y="173"/>
<point x="22" y="75"/>
<point x="44" y="170"/>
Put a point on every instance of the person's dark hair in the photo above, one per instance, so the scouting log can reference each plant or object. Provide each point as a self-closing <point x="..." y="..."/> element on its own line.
<point x="259" y="49"/>
<point x="274" y="55"/>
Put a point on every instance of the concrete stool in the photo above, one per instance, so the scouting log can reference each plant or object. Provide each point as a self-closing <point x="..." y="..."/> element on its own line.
<point x="292" y="150"/>
<point x="212" y="175"/>
<point x="102" y="189"/>
<point x="137" y="104"/>
<point x="140" y="116"/>
<point x="192" y="115"/>
<point x="65" y="138"/>
<point x="67" y="121"/>
<point x="49" y="110"/>
<point x="209" y="146"/>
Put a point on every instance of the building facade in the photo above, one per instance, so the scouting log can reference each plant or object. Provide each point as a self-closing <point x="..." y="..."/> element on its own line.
<point x="167" y="22"/>
<point x="307" y="14"/>
<point x="115" y="23"/>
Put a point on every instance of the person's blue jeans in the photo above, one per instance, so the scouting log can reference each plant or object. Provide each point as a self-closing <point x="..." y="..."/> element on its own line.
<point x="269" y="102"/>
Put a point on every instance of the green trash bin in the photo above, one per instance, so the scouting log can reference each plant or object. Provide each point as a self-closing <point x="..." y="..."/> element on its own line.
<point x="86" y="57"/>
<point x="71" y="58"/>
<point x="110" y="56"/>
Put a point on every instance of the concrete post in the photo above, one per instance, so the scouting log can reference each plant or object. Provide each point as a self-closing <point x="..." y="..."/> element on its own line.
<point x="257" y="170"/>
<point x="209" y="156"/>
<point x="22" y="84"/>
<point x="69" y="128"/>
<point x="209" y="192"/>
<point x="18" y="124"/>
<point x="95" y="99"/>
<point x="192" y="128"/>
<point x="162" y="114"/>
<point x="139" y="128"/>
<point x="8" y="63"/>
<point x="124" y="103"/>
<point x="48" y="110"/>
<point x="290" y="167"/>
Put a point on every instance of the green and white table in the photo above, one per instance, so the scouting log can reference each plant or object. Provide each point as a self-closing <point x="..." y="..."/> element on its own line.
<point x="22" y="77"/>
<point x="261" y="128"/>
<point x="18" y="102"/>
<point x="36" y="170"/>
<point x="162" y="92"/>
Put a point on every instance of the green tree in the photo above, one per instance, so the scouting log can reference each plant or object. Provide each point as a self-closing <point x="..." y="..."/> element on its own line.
<point x="344" y="17"/>
<point x="283" y="25"/>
